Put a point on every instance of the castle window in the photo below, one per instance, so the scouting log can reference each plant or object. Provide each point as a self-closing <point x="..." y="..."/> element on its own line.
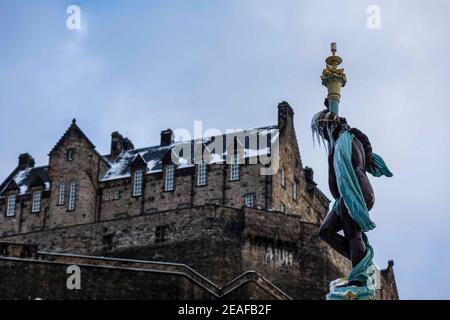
<point x="70" y="153"/>
<point x="62" y="193"/>
<point x="170" y="175"/>
<point x="138" y="177"/>
<point x="72" y="195"/>
<point x="294" y="191"/>
<point x="235" y="169"/>
<point x="282" y="178"/>
<point x="36" y="206"/>
<point x="116" y="195"/>
<point x="11" y="208"/>
<point x="201" y="174"/>
<point x="250" y="200"/>
<point x="106" y="196"/>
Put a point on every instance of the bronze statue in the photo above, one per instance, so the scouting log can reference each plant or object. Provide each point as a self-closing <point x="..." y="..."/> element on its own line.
<point x="350" y="157"/>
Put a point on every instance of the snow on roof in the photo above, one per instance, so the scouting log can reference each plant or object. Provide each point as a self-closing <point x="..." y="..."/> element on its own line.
<point x="24" y="178"/>
<point x="153" y="156"/>
<point x="120" y="168"/>
<point x="20" y="178"/>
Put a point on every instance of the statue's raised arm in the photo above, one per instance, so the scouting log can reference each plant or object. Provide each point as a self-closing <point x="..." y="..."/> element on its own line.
<point x="350" y="157"/>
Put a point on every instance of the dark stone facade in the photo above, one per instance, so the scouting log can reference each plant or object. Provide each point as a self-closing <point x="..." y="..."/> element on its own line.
<point x="221" y="243"/>
<point x="277" y="238"/>
<point x="99" y="199"/>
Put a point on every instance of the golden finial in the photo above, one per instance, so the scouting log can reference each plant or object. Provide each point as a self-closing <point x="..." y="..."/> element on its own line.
<point x="333" y="60"/>
<point x="333" y="48"/>
<point x="332" y="77"/>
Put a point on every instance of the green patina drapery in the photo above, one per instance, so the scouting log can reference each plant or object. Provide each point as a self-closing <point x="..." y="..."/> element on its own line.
<point x="353" y="198"/>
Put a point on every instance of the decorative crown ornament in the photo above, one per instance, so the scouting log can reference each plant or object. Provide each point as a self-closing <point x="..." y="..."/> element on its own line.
<point x="333" y="77"/>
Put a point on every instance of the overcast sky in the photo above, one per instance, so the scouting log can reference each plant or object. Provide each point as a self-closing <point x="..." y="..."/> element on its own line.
<point x="143" y="66"/>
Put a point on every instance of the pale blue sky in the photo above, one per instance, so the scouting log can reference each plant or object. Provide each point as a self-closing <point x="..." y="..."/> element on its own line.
<point x="143" y="66"/>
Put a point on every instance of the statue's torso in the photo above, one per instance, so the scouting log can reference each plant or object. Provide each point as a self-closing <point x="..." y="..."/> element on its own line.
<point x="358" y="162"/>
<point x="358" y="158"/>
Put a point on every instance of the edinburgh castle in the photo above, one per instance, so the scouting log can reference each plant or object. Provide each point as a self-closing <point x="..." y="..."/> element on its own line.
<point x="140" y="226"/>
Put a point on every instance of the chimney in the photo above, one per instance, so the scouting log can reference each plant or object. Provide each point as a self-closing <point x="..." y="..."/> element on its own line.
<point x="25" y="161"/>
<point x="309" y="177"/>
<point x="309" y="174"/>
<point x="285" y="115"/>
<point x="166" y="137"/>
<point x="127" y="144"/>
<point x="119" y="144"/>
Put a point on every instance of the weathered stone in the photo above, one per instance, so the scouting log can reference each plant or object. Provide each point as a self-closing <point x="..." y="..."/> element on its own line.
<point x="277" y="238"/>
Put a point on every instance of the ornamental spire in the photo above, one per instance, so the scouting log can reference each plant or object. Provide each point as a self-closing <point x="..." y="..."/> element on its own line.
<point x="334" y="79"/>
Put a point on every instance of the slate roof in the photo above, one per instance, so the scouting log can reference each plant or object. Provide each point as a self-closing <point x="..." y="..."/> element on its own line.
<point x="23" y="179"/>
<point x="152" y="156"/>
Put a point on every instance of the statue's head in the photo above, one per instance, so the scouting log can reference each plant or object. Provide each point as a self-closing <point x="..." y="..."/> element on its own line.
<point x="326" y="125"/>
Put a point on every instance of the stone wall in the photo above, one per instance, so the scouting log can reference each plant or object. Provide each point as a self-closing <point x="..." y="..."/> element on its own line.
<point x="388" y="290"/>
<point x="84" y="169"/>
<point x="178" y="226"/>
<point x="24" y="219"/>
<point x="219" y="189"/>
<point x="202" y="237"/>
<point x="34" y="279"/>
<point x="219" y="242"/>
<point x="46" y="276"/>
<point x="98" y="200"/>
<point x="310" y="203"/>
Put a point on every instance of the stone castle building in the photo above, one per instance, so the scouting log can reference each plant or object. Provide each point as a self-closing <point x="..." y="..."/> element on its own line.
<point x="143" y="227"/>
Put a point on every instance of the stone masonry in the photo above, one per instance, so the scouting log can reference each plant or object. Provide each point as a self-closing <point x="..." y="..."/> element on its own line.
<point x="88" y="208"/>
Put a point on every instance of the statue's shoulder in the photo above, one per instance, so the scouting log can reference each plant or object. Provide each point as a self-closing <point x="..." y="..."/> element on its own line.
<point x="361" y="136"/>
<point x="358" y="134"/>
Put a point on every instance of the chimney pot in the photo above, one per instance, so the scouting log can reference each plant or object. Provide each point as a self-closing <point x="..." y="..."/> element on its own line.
<point x="166" y="137"/>
<point x="285" y="115"/>
<point x="119" y="144"/>
<point x="26" y="161"/>
<point x="309" y="173"/>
